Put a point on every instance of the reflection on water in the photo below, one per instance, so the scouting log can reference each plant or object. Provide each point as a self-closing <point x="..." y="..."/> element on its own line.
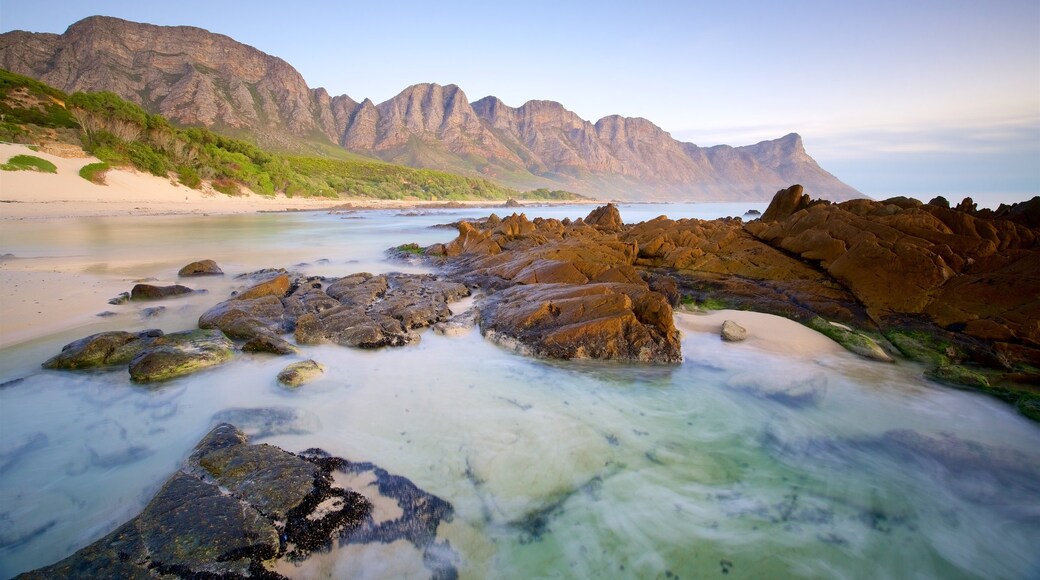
<point x="739" y="461"/>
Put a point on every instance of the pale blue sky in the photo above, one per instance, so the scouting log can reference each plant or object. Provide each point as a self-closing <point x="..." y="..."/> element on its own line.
<point x="922" y="98"/>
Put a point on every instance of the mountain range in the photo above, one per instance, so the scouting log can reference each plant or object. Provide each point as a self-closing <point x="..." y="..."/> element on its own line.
<point x="196" y="77"/>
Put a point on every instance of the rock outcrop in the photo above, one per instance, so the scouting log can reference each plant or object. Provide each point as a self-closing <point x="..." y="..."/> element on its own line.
<point x="152" y="292"/>
<point x="954" y="288"/>
<point x="231" y="507"/>
<point x="194" y="77"/>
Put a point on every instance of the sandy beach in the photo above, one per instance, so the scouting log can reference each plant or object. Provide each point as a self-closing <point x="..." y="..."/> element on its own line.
<point x="765" y="332"/>
<point x="35" y="195"/>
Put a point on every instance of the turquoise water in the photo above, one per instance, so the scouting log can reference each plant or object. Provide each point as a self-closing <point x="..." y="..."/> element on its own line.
<point x="738" y="462"/>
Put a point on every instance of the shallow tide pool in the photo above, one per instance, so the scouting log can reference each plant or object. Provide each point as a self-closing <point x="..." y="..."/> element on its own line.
<point x="739" y="462"/>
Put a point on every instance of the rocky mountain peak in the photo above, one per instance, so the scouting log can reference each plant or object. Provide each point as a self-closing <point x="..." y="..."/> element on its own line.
<point x="195" y="77"/>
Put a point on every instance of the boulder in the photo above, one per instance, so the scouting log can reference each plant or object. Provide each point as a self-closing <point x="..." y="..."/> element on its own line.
<point x="606" y="321"/>
<point x="200" y="268"/>
<point x="246" y="318"/>
<point x="104" y="348"/>
<point x="785" y="203"/>
<point x="150" y="292"/>
<point x="733" y="332"/>
<point x="231" y="507"/>
<point x="298" y="373"/>
<point x="180" y="353"/>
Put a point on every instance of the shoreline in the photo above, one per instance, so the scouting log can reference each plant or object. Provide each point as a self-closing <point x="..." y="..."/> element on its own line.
<point x="31" y="195"/>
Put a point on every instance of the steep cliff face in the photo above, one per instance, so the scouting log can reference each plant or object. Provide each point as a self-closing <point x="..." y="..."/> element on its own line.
<point x="187" y="74"/>
<point x="195" y="77"/>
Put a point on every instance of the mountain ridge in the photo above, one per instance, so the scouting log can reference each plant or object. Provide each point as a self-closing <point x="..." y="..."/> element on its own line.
<point x="196" y="77"/>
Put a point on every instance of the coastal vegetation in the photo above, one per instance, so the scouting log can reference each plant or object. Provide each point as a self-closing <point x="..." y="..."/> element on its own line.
<point x="28" y="163"/>
<point x="95" y="172"/>
<point x="122" y="134"/>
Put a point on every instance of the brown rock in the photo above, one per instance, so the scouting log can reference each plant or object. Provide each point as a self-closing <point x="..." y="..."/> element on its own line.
<point x="201" y="268"/>
<point x="150" y="292"/>
<point x="277" y="287"/>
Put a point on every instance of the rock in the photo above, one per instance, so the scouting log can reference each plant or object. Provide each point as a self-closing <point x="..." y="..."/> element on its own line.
<point x="277" y="286"/>
<point x="733" y="332"/>
<point x="958" y="376"/>
<point x="230" y="508"/>
<point x="299" y="373"/>
<point x="152" y="312"/>
<point x="180" y="353"/>
<point x="265" y="342"/>
<point x="785" y="203"/>
<point x="599" y="321"/>
<point x="201" y="268"/>
<point x="457" y="325"/>
<point x="263" y="422"/>
<point x="512" y="203"/>
<point x="377" y="311"/>
<point x="123" y="298"/>
<point x="606" y="218"/>
<point x="246" y="318"/>
<point x="855" y="342"/>
<point x="104" y="348"/>
<point x="150" y="292"/>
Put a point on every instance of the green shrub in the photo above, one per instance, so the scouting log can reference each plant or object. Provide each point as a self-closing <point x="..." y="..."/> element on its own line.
<point x="226" y="186"/>
<point x="189" y="176"/>
<point x="29" y="163"/>
<point x="95" y="172"/>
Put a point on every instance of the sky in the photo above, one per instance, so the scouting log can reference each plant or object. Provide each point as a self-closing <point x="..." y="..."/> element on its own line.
<point x="916" y="98"/>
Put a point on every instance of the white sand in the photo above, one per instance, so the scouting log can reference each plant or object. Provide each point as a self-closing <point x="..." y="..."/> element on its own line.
<point x="35" y="195"/>
<point x="765" y="332"/>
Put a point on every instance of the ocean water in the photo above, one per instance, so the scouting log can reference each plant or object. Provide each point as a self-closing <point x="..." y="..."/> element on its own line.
<point x="739" y="462"/>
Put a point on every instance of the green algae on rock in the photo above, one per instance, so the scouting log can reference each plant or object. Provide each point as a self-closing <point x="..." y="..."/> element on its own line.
<point x="180" y="353"/>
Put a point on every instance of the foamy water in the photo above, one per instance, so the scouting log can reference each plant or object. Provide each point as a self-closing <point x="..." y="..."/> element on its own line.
<point x="742" y="460"/>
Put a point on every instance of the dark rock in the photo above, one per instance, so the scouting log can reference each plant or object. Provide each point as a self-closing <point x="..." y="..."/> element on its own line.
<point x="231" y="507"/>
<point x="298" y="373"/>
<point x="733" y="332"/>
<point x="123" y="298"/>
<point x="105" y="348"/>
<point x="201" y="268"/>
<point x="512" y="203"/>
<point x="377" y="311"/>
<point x="105" y="314"/>
<point x="150" y="292"/>
<point x="180" y="353"/>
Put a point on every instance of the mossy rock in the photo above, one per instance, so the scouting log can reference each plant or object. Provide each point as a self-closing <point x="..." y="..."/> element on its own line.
<point x="102" y="349"/>
<point x="918" y="348"/>
<point x="1029" y="405"/>
<point x="299" y="373"/>
<point x="179" y="354"/>
<point x="853" y="341"/>
<point x="958" y="375"/>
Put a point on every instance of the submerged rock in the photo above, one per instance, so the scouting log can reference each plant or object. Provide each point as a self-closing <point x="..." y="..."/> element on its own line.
<point x="299" y="373"/>
<point x="180" y="353"/>
<point x="231" y="507"/>
<point x="104" y="348"/>
<point x="201" y="268"/>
